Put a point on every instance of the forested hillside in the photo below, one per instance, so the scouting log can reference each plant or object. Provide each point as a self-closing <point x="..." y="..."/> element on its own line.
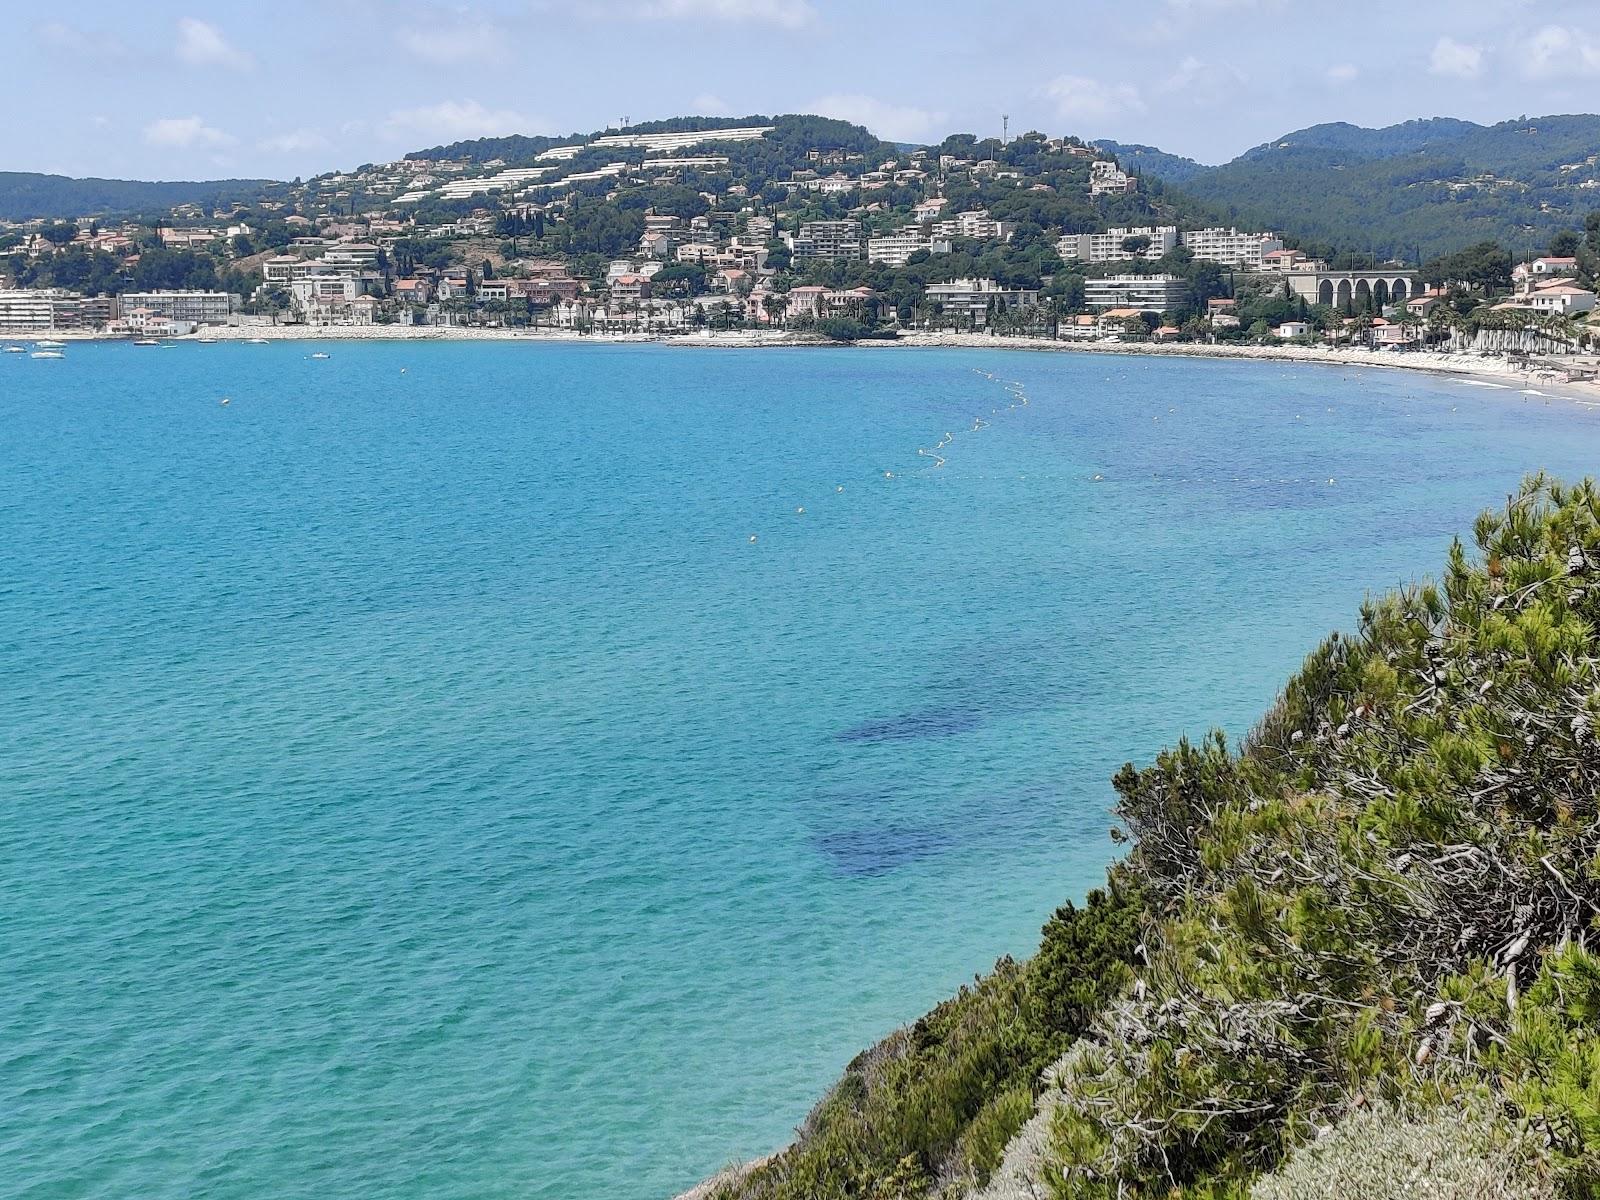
<point x="26" y="196"/>
<point x="1412" y="190"/>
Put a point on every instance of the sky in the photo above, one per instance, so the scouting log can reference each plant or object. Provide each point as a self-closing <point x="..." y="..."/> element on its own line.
<point x="172" y="89"/>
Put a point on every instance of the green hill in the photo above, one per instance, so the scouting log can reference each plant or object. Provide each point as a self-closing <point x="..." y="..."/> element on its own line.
<point x="1420" y="188"/>
<point x="1147" y="160"/>
<point x="26" y="196"/>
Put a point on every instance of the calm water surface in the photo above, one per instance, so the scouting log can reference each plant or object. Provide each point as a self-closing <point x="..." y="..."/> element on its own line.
<point x="414" y="781"/>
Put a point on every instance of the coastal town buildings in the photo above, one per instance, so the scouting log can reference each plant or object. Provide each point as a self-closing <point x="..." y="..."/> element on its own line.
<point x="1108" y="179"/>
<point x="1146" y="293"/>
<point x="1230" y="248"/>
<point x="832" y="240"/>
<point x="976" y="299"/>
<point x="190" y="307"/>
<point x="29" y="310"/>
<point x="1108" y="246"/>
<point x="895" y="249"/>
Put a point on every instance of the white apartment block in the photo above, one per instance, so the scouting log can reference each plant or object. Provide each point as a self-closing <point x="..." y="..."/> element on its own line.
<point x="667" y="142"/>
<point x="1107" y="246"/>
<point x="1152" y="293"/>
<point x="196" y="308"/>
<point x="703" y="162"/>
<point x="828" y="239"/>
<point x="895" y="249"/>
<point x="1231" y="248"/>
<point x="352" y="256"/>
<point x="28" y="309"/>
<point x="979" y="225"/>
<point x="973" y="297"/>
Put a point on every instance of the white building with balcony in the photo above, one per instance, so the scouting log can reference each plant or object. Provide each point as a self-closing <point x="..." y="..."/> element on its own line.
<point x="895" y="249"/>
<point x="1148" y="293"/>
<point x="828" y="240"/>
<point x="1107" y="246"/>
<point x="1230" y="248"/>
<point x="973" y="298"/>
<point x="194" y="308"/>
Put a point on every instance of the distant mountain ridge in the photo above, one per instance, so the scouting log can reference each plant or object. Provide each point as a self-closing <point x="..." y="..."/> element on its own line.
<point x="1343" y="137"/>
<point x="1421" y="187"/>
<point x="28" y="195"/>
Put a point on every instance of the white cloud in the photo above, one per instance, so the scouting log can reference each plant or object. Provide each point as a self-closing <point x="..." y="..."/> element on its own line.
<point x="1200" y="82"/>
<point x="295" y="141"/>
<point x="200" y="44"/>
<point x="452" y="44"/>
<point x="85" y="43"/>
<point x="708" y="105"/>
<point x="1451" y="57"/>
<point x="893" y="122"/>
<point x="184" y="133"/>
<point x="1557" y="51"/>
<point x="455" y="120"/>
<point x="1079" y="98"/>
<point x="1343" y="73"/>
<point x="786" y="14"/>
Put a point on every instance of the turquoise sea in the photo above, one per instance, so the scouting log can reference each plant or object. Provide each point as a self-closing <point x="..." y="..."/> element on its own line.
<point x="415" y="782"/>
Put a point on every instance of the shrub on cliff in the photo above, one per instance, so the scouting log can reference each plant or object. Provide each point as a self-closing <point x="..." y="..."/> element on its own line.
<point x="1387" y="899"/>
<point x="1356" y="905"/>
<point x="934" y="1105"/>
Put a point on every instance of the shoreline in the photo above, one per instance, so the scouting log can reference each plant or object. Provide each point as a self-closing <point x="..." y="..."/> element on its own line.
<point x="1493" y="367"/>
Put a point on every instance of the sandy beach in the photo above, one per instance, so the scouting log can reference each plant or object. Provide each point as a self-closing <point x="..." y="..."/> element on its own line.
<point x="1493" y="368"/>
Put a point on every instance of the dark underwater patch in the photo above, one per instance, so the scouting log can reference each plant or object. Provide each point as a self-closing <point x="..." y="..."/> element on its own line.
<point x="880" y="849"/>
<point x="923" y="723"/>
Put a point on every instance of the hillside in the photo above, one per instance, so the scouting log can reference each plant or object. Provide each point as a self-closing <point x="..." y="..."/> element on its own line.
<point x="27" y="196"/>
<point x="1147" y="160"/>
<point x="793" y="131"/>
<point x="1420" y="188"/>
<point x="1351" y="957"/>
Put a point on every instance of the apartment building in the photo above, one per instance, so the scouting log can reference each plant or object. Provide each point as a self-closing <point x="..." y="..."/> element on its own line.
<point x="1148" y="293"/>
<point x="1230" y="248"/>
<point x="978" y="224"/>
<point x="828" y="239"/>
<point x="973" y="298"/>
<point x="351" y="256"/>
<point x="29" y="310"/>
<point x="895" y="249"/>
<point x="195" y="308"/>
<point x="1107" y="246"/>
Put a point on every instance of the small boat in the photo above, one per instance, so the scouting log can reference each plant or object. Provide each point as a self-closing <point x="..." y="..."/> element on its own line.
<point x="47" y="354"/>
<point x="15" y="350"/>
<point x="319" y="354"/>
<point x="46" y="344"/>
<point x="257" y="342"/>
<point x="147" y="341"/>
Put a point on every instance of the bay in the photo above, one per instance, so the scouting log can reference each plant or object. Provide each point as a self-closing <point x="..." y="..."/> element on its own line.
<point x="416" y="782"/>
